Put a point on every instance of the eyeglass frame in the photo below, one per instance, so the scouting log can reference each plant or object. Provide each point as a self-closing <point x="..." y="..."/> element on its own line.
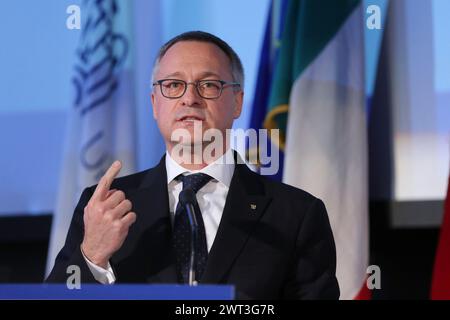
<point x="196" y="83"/>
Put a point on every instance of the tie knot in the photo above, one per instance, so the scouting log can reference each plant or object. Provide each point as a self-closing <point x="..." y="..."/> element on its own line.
<point x="194" y="181"/>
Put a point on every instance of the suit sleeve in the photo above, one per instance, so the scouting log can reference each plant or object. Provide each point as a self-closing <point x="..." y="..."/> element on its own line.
<point x="71" y="253"/>
<point x="313" y="275"/>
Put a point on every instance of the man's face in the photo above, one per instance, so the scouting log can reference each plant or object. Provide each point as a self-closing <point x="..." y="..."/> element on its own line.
<point x="192" y="61"/>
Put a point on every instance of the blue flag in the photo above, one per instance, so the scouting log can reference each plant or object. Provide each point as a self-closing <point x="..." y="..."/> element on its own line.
<point x="269" y="53"/>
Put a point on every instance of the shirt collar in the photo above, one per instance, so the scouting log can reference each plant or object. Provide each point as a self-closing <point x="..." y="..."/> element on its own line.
<point x="220" y="170"/>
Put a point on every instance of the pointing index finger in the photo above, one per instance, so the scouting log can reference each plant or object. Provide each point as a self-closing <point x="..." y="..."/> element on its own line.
<point x="105" y="182"/>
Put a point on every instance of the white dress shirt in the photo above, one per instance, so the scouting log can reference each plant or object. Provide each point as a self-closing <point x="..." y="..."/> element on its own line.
<point x="211" y="200"/>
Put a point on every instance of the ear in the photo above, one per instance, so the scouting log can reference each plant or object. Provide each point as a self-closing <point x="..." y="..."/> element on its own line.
<point x="238" y="101"/>
<point x="155" y="116"/>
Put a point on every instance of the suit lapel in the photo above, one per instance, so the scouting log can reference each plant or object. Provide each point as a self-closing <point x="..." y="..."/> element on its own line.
<point x="246" y="203"/>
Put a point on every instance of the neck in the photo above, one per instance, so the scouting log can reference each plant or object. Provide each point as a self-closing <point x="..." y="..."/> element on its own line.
<point x="195" y="157"/>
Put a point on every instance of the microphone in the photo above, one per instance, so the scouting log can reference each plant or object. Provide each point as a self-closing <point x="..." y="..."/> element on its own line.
<point x="187" y="200"/>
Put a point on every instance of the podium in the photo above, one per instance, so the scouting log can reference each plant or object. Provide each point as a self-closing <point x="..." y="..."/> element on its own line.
<point x="115" y="292"/>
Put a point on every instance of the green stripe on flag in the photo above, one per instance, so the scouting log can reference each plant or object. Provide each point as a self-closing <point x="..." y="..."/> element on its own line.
<point x="310" y="26"/>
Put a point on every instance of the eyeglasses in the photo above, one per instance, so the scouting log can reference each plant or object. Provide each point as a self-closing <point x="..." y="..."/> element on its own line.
<point x="208" y="89"/>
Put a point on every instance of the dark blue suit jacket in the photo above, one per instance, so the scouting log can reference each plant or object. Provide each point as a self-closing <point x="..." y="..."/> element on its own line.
<point x="274" y="241"/>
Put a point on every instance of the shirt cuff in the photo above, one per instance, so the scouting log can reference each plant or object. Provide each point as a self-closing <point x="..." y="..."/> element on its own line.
<point x="104" y="276"/>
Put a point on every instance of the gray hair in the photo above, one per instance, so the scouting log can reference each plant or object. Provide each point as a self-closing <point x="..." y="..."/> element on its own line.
<point x="237" y="71"/>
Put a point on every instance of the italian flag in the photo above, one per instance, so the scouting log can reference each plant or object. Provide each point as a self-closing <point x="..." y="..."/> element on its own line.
<point x="318" y="103"/>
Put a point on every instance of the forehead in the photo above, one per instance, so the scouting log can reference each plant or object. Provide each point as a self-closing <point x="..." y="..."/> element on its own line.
<point x="192" y="57"/>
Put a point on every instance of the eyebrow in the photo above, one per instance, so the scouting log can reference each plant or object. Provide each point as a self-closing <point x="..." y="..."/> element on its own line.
<point x="204" y="74"/>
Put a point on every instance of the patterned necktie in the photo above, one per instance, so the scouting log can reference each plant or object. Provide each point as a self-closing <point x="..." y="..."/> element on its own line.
<point x="182" y="233"/>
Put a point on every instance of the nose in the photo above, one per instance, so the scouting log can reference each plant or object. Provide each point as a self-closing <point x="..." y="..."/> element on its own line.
<point x="191" y="96"/>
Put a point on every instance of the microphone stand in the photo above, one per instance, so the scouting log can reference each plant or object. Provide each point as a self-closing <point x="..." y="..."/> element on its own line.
<point x="194" y="231"/>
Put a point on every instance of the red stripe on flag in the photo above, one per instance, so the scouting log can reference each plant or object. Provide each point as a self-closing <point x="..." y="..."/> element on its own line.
<point x="440" y="289"/>
<point x="364" y="293"/>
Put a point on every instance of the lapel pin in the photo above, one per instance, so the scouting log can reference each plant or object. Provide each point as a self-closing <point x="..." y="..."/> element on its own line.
<point x="253" y="206"/>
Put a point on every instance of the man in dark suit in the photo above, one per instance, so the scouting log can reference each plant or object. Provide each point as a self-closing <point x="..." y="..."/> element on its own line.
<point x="268" y="239"/>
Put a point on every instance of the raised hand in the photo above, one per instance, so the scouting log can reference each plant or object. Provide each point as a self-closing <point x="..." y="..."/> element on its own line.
<point x="107" y="219"/>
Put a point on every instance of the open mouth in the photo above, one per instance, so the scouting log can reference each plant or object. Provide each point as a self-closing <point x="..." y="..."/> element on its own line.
<point x="190" y="118"/>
